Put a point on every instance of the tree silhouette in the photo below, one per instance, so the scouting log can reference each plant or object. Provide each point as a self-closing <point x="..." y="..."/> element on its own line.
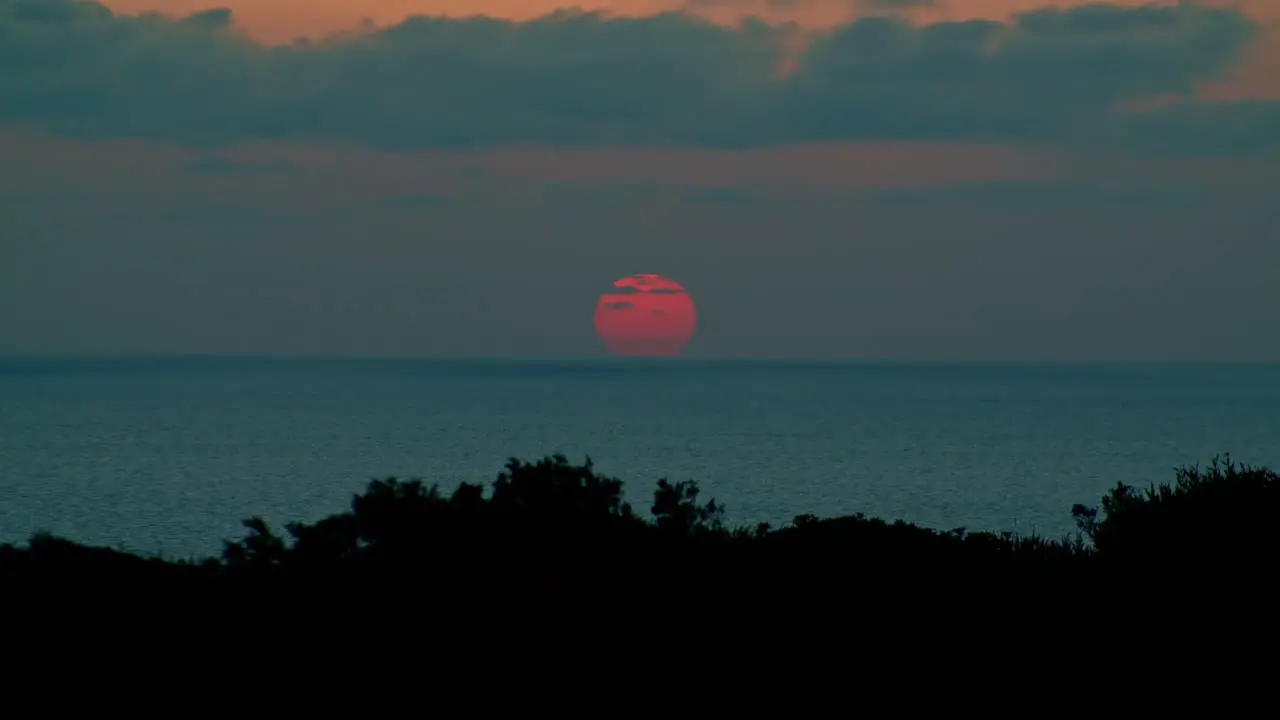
<point x="260" y="549"/>
<point x="675" y="508"/>
<point x="561" y="529"/>
<point x="1223" y="512"/>
<point x="553" y="487"/>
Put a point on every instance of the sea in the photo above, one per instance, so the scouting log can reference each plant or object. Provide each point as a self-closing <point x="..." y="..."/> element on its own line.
<point x="167" y="456"/>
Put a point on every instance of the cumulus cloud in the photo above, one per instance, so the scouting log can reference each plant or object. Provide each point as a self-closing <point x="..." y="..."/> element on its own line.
<point x="1048" y="74"/>
<point x="575" y="77"/>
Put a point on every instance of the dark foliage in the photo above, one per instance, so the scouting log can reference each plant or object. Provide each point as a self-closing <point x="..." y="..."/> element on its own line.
<point x="1220" y="518"/>
<point x="554" y="529"/>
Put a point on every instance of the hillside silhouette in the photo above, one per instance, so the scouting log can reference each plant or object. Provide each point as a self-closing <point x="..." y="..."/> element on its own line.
<point x="554" y="530"/>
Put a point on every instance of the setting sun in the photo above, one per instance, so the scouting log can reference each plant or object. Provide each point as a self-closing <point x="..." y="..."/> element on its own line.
<point x="645" y="315"/>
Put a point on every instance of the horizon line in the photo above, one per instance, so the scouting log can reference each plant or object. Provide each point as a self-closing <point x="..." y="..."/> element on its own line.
<point x="612" y="359"/>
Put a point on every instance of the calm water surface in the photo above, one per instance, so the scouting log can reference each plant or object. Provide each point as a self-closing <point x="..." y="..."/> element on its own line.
<point x="169" y="455"/>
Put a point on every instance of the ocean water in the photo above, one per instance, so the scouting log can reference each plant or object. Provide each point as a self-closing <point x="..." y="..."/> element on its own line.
<point x="169" y="455"/>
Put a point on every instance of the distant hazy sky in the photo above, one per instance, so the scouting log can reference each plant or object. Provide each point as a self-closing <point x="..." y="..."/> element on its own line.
<point x="828" y="178"/>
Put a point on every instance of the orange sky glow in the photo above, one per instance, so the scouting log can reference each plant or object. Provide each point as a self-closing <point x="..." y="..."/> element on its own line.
<point x="282" y="21"/>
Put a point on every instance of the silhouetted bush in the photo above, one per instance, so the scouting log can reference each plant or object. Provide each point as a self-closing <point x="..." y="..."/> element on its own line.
<point x="556" y="529"/>
<point x="1222" y="516"/>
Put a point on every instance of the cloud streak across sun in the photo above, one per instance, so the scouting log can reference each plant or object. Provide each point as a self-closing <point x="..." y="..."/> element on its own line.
<point x="583" y="78"/>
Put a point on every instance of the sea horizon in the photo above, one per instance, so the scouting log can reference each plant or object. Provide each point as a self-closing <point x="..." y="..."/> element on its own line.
<point x="174" y="451"/>
<point x="685" y="360"/>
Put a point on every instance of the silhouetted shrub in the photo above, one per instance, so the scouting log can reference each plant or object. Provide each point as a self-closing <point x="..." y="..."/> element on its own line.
<point x="1223" y="515"/>
<point x="675" y="509"/>
<point x="260" y="549"/>
<point x="553" y="488"/>
<point x="557" y="529"/>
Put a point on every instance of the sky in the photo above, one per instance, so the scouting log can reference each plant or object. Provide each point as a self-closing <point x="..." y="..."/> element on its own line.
<point x="909" y="179"/>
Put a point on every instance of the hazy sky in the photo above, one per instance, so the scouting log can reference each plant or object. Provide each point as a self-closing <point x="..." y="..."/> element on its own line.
<point x="874" y="178"/>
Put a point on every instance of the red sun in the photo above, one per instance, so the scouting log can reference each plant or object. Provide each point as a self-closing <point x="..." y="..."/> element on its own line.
<point x="645" y="315"/>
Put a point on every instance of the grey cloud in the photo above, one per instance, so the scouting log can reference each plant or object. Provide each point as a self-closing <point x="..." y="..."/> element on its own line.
<point x="43" y="199"/>
<point x="1247" y="127"/>
<point x="221" y="167"/>
<point x="416" y="201"/>
<point x="572" y="77"/>
<point x="214" y="19"/>
<point x="224" y="214"/>
<point x="1043" y="76"/>
<point x="214" y="166"/>
<point x="578" y="194"/>
<point x="1025" y="195"/>
<point x="720" y="196"/>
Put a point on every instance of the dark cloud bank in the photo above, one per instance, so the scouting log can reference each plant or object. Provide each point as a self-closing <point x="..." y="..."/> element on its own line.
<point x="1051" y="75"/>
